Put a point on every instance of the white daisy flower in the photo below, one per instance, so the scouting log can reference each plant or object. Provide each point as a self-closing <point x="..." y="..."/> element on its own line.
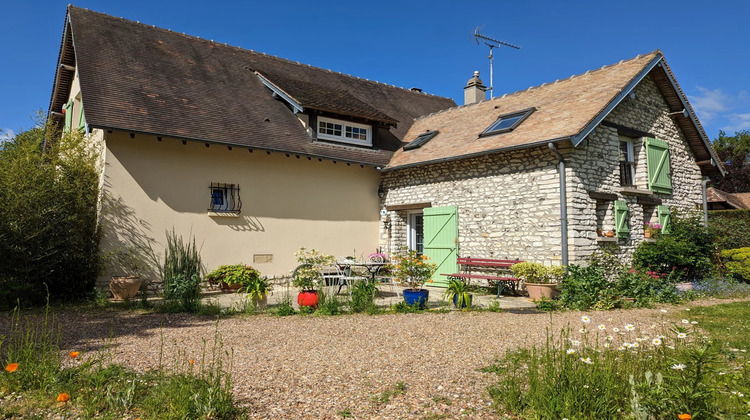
<point x="610" y="338"/>
<point x="656" y="342"/>
<point x="582" y="331"/>
<point x="670" y="347"/>
<point x="678" y="366"/>
<point x="681" y="335"/>
<point x="621" y="348"/>
<point x="636" y="345"/>
<point x="575" y="342"/>
<point x="687" y="309"/>
<point x="606" y="344"/>
<point x="685" y="321"/>
<point x="571" y="351"/>
<point x="629" y="327"/>
<point x="586" y="360"/>
<point x="615" y="329"/>
<point x="694" y="322"/>
<point x="585" y="319"/>
<point x="664" y="311"/>
<point x="602" y="327"/>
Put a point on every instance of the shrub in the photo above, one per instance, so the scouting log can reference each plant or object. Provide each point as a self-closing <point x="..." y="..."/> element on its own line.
<point x="532" y="272"/>
<point x="363" y="297"/>
<point x="48" y="222"/>
<point x="181" y="271"/>
<point x="730" y="229"/>
<point x="687" y="249"/>
<point x="583" y="286"/>
<point x="412" y="269"/>
<point x="307" y="276"/>
<point x="737" y="263"/>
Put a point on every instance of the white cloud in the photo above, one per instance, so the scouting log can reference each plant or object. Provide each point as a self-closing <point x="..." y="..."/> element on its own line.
<point x="6" y="134"/>
<point x="711" y="103"/>
<point x="738" y="122"/>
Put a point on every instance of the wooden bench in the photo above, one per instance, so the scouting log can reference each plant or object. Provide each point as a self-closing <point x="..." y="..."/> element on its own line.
<point x="501" y="268"/>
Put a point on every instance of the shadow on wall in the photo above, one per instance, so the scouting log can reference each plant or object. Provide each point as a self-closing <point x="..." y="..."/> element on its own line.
<point x="241" y="224"/>
<point x="126" y="244"/>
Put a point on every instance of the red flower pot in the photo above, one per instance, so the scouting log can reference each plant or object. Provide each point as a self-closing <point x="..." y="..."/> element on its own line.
<point x="308" y="298"/>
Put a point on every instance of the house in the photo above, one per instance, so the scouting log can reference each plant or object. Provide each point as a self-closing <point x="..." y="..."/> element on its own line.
<point x="722" y="200"/>
<point x="536" y="174"/>
<point x="252" y="154"/>
<point x="256" y="155"/>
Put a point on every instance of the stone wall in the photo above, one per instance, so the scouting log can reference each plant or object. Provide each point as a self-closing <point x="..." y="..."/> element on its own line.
<point x="595" y="167"/>
<point x="508" y="203"/>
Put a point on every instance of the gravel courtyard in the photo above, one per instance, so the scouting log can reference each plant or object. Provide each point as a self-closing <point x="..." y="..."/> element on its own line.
<point x="323" y="367"/>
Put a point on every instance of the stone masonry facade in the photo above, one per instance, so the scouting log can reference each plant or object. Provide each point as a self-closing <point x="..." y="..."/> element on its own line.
<point x="509" y="203"/>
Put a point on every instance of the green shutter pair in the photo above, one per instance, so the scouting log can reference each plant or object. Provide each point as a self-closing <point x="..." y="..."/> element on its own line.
<point x="621" y="219"/>
<point x="69" y="118"/>
<point x="658" y="164"/>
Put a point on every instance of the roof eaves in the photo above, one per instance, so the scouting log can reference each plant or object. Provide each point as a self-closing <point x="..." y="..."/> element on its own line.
<point x="58" y="69"/>
<point x="686" y="106"/>
<point x="578" y="138"/>
<point x="477" y="154"/>
<point x="244" y="146"/>
<point x="279" y="91"/>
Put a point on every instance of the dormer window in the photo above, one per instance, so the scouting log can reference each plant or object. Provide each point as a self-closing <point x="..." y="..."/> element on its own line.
<point x="507" y="122"/>
<point x="344" y="131"/>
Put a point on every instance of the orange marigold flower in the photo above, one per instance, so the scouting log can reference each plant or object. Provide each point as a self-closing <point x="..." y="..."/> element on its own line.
<point x="74" y="354"/>
<point x="12" y="367"/>
<point x="192" y="362"/>
<point x="684" y="416"/>
<point x="63" y="397"/>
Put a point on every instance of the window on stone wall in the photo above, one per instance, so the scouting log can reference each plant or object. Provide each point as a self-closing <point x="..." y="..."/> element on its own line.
<point x="627" y="162"/>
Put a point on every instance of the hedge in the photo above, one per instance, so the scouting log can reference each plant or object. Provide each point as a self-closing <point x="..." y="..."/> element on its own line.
<point x="731" y="228"/>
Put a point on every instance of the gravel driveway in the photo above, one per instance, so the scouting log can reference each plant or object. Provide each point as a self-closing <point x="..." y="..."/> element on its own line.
<point x="322" y="366"/>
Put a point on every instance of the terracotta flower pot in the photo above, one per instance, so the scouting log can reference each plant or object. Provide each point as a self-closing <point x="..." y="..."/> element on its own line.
<point x="537" y="291"/>
<point x="125" y="287"/>
<point x="647" y="233"/>
<point x="230" y="288"/>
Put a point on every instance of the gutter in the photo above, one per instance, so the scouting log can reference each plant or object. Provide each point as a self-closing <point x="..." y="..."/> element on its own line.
<point x="704" y="185"/>
<point x="563" y="204"/>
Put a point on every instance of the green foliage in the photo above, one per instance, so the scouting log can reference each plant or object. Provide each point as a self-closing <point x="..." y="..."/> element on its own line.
<point x="181" y="272"/>
<point x="233" y="274"/>
<point x="737" y="263"/>
<point x="733" y="152"/>
<point x="630" y="374"/>
<point x="405" y="308"/>
<point x="329" y="304"/>
<point x="307" y="276"/>
<point x="547" y="305"/>
<point x="458" y="288"/>
<point x="730" y="229"/>
<point x="532" y="272"/>
<point x="363" y="297"/>
<point x="688" y="249"/>
<point x="48" y="222"/>
<point x="412" y="269"/>
<point x="583" y="286"/>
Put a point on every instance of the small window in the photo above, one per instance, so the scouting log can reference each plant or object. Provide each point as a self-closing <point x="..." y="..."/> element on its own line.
<point x="627" y="163"/>
<point x="225" y="198"/>
<point x="344" y="131"/>
<point x="421" y="140"/>
<point x="507" y="122"/>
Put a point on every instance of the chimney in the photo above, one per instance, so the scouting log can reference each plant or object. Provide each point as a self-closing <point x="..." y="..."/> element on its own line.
<point x="474" y="91"/>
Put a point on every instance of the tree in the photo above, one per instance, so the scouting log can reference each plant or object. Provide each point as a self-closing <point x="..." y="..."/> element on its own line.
<point x="48" y="222"/>
<point x="734" y="153"/>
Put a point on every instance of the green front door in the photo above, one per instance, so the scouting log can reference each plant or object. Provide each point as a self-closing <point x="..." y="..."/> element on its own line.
<point x="441" y="241"/>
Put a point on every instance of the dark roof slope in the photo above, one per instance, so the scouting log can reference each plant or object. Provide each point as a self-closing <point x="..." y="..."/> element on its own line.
<point x="146" y="79"/>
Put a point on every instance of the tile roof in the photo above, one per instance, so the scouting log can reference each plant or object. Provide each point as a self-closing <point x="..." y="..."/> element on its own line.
<point x="563" y="109"/>
<point x="146" y="79"/>
<point x="736" y="200"/>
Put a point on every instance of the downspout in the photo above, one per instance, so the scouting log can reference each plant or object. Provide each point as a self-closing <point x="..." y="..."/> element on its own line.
<point x="563" y="204"/>
<point x="704" y="185"/>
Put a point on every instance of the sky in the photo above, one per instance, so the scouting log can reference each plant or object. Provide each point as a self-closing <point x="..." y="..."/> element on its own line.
<point x="425" y="44"/>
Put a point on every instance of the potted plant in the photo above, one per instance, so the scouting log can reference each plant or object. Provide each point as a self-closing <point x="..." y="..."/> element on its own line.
<point x="413" y="270"/>
<point x="257" y="289"/>
<point x="307" y="276"/>
<point x="458" y="291"/>
<point x="128" y="263"/>
<point x="651" y="229"/>
<point x="233" y="277"/>
<point x="540" y="281"/>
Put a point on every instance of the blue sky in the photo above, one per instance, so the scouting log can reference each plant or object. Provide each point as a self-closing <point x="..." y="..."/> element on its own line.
<point x="424" y="44"/>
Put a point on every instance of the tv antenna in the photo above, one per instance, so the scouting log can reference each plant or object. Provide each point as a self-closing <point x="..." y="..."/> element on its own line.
<point x="492" y="43"/>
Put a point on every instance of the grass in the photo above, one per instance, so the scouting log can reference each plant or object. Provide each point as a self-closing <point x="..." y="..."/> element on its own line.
<point x="385" y="397"/>
<point x="644" y="373"/>
<point x="728" y="323"/>
<point x="37" y="378"/>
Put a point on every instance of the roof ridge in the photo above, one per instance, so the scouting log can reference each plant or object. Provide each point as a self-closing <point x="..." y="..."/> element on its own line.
<point x="546" y="84"/>
<point x="195" y="37"/>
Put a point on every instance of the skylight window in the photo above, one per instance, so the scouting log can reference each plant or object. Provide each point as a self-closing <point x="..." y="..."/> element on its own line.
<point x="421" y="140"/>
<point x="507" y="122"/>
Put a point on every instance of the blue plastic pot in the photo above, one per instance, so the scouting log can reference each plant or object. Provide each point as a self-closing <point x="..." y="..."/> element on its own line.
<point x="417" y="297"/>
<point x="465" y="303"/>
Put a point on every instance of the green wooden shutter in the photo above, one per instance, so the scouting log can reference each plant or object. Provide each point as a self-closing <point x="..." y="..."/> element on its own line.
<point x="621" y="219"/>
<point x="68" y="117"/>
<point x="659" y="168"/>
<point x="441" y="241"/>
<point x="665" y="218"/>
<point x="82" y="121"/>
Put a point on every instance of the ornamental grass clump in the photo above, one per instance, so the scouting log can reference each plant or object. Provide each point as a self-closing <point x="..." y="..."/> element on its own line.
<point x="181" y="272"/>
<point x="413" y="270"/>
<point x="621" y="371"/>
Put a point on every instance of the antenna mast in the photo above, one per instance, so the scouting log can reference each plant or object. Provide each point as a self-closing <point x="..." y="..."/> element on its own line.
<point x="492" y="43"/>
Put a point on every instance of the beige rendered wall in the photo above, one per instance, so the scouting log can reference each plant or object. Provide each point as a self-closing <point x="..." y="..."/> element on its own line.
<point x="287" y="202"/>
